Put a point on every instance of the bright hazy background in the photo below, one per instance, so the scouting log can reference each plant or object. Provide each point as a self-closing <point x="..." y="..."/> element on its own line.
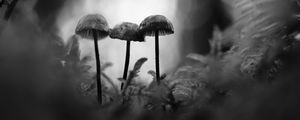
<point x="113" y="50"/>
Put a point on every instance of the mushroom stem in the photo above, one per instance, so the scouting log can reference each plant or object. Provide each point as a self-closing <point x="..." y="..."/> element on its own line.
<point x="126" y="62"/>
<point x="98" y="66"/>
<point x="157" y="57"/>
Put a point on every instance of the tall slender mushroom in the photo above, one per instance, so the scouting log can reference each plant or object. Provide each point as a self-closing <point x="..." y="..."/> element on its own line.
<point x="156" y="25"/>
<point x="94" y="26"/>
<point x="129" y="32"/>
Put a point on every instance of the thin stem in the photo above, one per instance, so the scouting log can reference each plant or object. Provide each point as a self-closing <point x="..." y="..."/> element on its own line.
<point x="126" y="62"/>
<point x="98" y="66"/>
<point x="157" y="57"/>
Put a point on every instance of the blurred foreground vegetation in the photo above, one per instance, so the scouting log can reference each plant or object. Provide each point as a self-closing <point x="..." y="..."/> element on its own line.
<point x="250" y="73"/>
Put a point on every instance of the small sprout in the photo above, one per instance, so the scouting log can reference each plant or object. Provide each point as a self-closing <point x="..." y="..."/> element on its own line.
<point x="138" y="64"/>
<point x="121" y="80"/>
<point x="156" y="25"/>
<point x="110" y="81"/>
<point x="154" y="80"/>
<point x="132" y="75"/>
<point x="152" y="73"/>
<point x="134" y="72"/>
<point x="106" y="65"/>
<point x="129" y="32"/>
<point x="72" y="51"/>
<point x="163" y="76"/>
<point x="94" y="26"/>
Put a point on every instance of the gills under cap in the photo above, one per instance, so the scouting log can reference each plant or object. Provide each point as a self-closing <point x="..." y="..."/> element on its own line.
<point x="155" y="23"/>
<point x="90" y="23"/>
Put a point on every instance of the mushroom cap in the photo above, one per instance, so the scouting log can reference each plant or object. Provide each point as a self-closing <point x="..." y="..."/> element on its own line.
<point x="90" y="23"/>
<point x="156" y="22"/>
<point x="127" y="31"/>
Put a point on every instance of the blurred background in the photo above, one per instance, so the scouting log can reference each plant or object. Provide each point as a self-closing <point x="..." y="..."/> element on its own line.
<point x="193" y="22"/>
<point x="113" y="50"/>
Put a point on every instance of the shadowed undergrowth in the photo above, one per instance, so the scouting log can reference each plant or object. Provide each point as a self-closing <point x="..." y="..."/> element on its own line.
<point x="256" y="78"/>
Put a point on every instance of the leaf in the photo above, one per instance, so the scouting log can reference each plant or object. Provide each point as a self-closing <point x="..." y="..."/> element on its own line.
<point x="138" y="65"/>
<point x="153" y="74"/>
<point x="122" y="80"/>
<point x="133" y="73"/>
<point x="154" y="80"/>
<point x="106" y="65"/>
<point x="163" y="76"/>
<point x="109" y="80"/>
<point x="90" y="87"/>
<point x="85" y="59"/>
<point x="72" y="50"/>
<point x="85" y="68"/>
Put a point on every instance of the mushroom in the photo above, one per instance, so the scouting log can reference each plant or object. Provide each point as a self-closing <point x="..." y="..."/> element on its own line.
<point x="156" y="25"/>
<point x="129" y="32"/>
<point x="94" y="26"/>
